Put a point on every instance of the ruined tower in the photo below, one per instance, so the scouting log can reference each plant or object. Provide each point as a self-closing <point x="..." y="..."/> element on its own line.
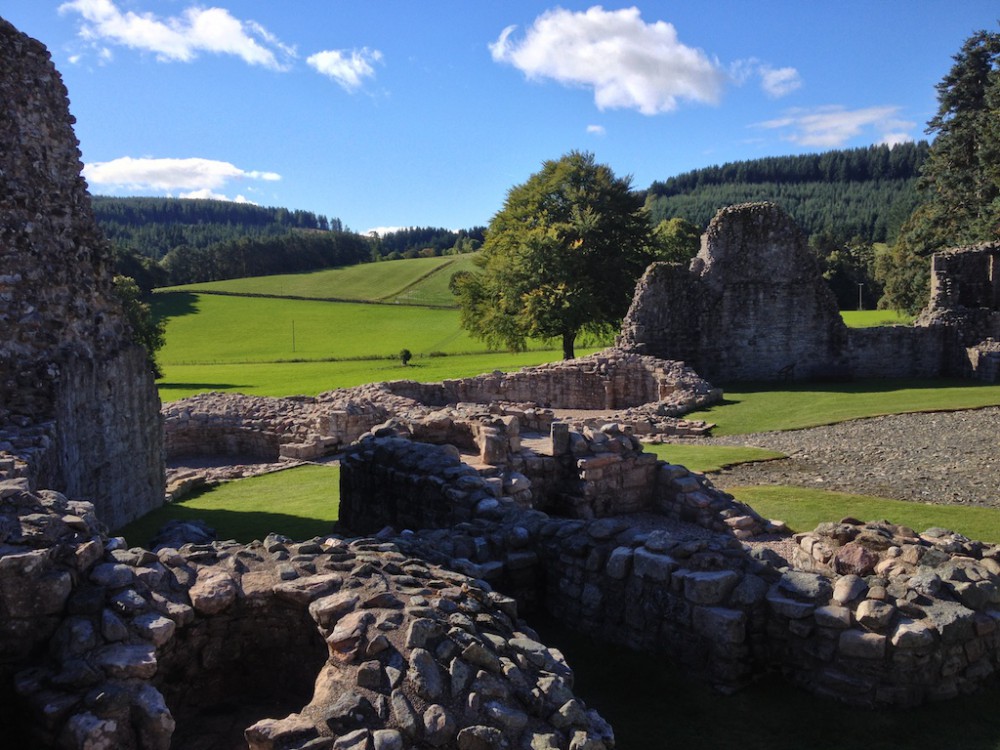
<point x="79" y="410"/>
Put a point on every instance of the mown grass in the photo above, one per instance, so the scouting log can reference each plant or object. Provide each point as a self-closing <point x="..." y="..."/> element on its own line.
<point x="417" y="281"/>
<point x="300" y="503"/>
<point x="804" y="508"/>
<point x="242" y="329"/>
<point x="789" y="406"/>
<point x="709" y="458"/>
<point x="312" y="378"/>
<point x="871" y="318"/>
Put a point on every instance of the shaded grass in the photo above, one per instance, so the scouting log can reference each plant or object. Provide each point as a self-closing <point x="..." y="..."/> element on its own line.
<point x="805" y="508"/>
<point x="654" y="705"/>
<point x="301" y="503"/>
<point x="312" y="378"/>
<point x="788" y="406"/>
<point x="707" y="458"/>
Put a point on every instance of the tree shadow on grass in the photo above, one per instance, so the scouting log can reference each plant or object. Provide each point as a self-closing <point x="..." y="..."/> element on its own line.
<point x="168" y="305"/>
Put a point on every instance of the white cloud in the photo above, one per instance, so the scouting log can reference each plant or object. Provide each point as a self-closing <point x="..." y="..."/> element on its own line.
<point x="383" y="231"/>
<point x="349" y="68"/>
<point x="629" y="64"/>
<point x="775" y="82"/>
<point x="180" y="38"/>
<point x="894" y="139"/>
<point x="195" y="177"/>
<point x="833" y="126"/>
<point x="778" y="82"/>
<point x="596" y="129"/>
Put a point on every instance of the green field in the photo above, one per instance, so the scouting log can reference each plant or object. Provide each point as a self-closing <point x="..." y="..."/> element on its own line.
<point x="311" y="378"/>
<point x="707" y="458"/>
<point x="870" y="318"/>
<point x="300" y="503"/>
<point x="747" y="408"/>
<point x="417" y="281"/>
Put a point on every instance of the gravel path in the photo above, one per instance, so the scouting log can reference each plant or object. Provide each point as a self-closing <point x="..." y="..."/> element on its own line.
<point x="940" y="457"/>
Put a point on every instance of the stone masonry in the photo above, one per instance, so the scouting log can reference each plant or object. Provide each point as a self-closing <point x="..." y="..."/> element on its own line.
<point x="79" y="410"/>
<point x="868" y="613"/>
<point x="753" y="306"/>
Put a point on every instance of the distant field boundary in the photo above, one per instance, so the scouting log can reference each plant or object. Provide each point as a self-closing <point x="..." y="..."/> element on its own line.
<point x="261" y="295"/>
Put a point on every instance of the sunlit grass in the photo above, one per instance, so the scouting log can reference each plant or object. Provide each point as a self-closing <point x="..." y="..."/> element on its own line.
<point x="805" y="508"/>
<point x="300" y="503"/>
<point x="788" y="406"/>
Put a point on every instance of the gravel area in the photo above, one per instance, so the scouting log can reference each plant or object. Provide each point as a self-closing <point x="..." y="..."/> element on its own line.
<point x="938" y="457"/>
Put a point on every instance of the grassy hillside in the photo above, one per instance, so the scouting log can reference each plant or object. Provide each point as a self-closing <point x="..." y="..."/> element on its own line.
<point x="418" y="281"/>
<point x="215" y="329"/>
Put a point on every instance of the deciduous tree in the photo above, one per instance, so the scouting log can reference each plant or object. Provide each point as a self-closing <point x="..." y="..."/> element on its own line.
<point x="562" y="256"/>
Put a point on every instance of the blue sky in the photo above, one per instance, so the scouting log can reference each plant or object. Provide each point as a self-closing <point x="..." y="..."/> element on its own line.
<point x="399" y="113"/>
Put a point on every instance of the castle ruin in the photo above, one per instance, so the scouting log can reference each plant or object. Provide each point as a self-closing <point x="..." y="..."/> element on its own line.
<point x="753" y="305"/>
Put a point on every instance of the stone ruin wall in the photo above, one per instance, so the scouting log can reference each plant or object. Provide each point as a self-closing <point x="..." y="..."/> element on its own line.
<point x="753" y="306"/>
<point x="326" y="643"/>
<point x="869" y="613"/>
<point x="606" y="381"/>
<point x="78" y="407"/>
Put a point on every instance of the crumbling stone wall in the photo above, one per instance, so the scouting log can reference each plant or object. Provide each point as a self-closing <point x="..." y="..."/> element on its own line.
<point x="753" y="306"/>
<point x="867" y="613"/>
<point x="329" y="643"/>
<point x="66" y="355"/>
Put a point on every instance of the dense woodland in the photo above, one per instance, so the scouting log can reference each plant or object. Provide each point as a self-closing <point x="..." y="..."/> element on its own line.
<point x="846" y="201"/>
<point x="863" y="193"/>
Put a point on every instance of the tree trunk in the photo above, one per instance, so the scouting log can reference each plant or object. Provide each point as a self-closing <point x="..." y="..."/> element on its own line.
<point x="569" y="337"/>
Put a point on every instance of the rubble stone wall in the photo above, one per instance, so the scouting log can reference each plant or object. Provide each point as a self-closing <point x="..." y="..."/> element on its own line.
<point x="866" y="613"/>
<point x="66" y="354"/>
<point x="753" y="306"/>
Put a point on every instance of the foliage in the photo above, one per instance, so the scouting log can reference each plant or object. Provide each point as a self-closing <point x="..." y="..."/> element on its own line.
<point x="805" y="508"/>
<point x="864" y="192"/>
<point x="747" y="408"/>
<point x="676" y="240"/>
<point x="849" y="270"/>
<point x="405" y="355"/>
<point x="411" y="242"/>
<point x="154" y="226"/>
<point x="303" y="502"/>
<point x="148" y="331"/>
<point x="292" y="252"/>
<point x="960" y="182"/>
<point x="562" y="256"/>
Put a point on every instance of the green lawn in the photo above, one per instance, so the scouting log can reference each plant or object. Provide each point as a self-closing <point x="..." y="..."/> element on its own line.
<point x="418" y="281"/>
<point x="870" y="318"/>
<point x="708" y="458"/>
<point x="805" y="508"/>
<point x="311" y="378"/>
<point x="789" y="406"/>
<point x="244" y="329"/>
<point x="300" y="503"/>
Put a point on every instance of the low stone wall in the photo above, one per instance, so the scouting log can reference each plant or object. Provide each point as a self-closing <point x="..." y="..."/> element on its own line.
<point x="610" y="380"/>
<point x="866" y="613"/>
<point x="342" y="643"/>
<point x="305" y="428"/>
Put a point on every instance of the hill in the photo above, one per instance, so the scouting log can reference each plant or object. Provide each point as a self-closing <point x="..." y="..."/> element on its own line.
<point x="863" y="193"/>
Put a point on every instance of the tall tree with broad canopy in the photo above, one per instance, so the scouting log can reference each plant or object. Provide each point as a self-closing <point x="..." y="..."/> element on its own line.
<point x="562" y="256"/>
<point x="960" y="181"/>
